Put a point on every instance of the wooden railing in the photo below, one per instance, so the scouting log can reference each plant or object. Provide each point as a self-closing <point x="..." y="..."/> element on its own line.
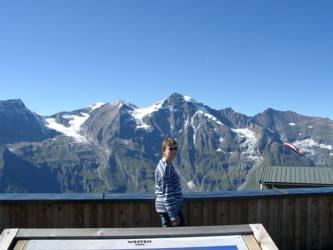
<point x="294" y="218"/>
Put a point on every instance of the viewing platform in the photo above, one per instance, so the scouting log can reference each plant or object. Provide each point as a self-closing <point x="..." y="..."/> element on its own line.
<point x="299" y="218"/>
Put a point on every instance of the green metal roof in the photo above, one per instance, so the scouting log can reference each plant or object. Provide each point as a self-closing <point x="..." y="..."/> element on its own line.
<point x="297" y="175"/>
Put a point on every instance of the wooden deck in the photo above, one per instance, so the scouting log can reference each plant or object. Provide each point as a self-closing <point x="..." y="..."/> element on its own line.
<point x="294" y="218"/>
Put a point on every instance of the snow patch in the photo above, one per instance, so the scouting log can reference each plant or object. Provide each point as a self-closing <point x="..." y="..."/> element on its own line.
<point x="73" y="130"/>
<point x="245" y="132"/>
<point x="204" y="112"/>
<point x="249" y="146"/>
<point x="11" y="149"/>
<point x="292" y="124"/>
<point x="309" y="146"/>
<point x="186" y="123"/>
<point x="191" y="185"/>
<point x="118" y="103"/>
<point x="209" y="116"/>
<point x="194" y="128"/>
<point x="76" y="121"/>
<point x="221" y="141"/>
<point x="96" y="105"/>
<point x="139" y="114"/>
<point x="189" y="99"/>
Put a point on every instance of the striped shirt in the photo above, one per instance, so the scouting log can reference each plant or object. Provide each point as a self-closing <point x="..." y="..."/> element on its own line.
<point x="168" y="191"/>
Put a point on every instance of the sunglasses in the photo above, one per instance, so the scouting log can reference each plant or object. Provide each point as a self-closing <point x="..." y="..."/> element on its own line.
<point x="173" y="149"/>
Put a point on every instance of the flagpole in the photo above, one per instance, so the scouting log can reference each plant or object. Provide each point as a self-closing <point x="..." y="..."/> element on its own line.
<point x="282" y="154"/>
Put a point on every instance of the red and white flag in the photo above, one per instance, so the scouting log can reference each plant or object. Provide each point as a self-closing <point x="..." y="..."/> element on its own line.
<point x="292" y="147"/>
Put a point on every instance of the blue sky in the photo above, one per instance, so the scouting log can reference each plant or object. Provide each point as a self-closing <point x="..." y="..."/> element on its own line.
<point x="249" y="55"/>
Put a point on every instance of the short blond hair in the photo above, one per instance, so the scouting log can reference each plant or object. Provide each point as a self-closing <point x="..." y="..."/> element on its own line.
<point x="167" y="143"/>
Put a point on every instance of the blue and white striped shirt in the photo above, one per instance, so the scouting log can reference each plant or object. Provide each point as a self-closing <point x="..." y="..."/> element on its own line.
<point x="169" y="196"/>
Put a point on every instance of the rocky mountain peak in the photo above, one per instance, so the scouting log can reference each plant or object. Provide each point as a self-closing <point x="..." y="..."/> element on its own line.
<point x="229" y="111"/>
<point x="176" y="97"/>
<point x="21" y="124"/>
<point x="271" y="111"/>
<point x="13" y="106"/>
<point x="124" y="106"/>
<point x="179" y="99"/>
<point x="12" y="103"/>
<point x="234" y="118"/>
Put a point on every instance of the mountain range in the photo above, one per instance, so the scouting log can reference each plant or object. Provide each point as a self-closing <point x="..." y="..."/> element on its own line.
<point x="115" y="147"/>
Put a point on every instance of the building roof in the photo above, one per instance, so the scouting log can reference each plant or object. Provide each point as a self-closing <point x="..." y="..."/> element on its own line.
<point x="291" y="175"/>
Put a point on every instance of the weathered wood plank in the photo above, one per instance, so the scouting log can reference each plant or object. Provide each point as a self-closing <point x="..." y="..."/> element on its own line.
<point x="7" y="236"/>
<point x="273" y="213"/>
<point x="21" y="245"/>
<point x="223" y="216"/>
<point x="304" y="222"/>
<point x="301" y="227"/>
<point x="236" y="212"/>
<point x="251" y="242"/>
<point x="155" y="220"/>
<point x="263" y="237"/>
<point x="252" y="217"/>
<point x="196" y="214"/>
<point x="313" y="226"/>
<point x="209" y="213"/>
<point x="330" y="218"/>
<point x="4" y="216"/>
<point x="287" y="235"/>
<point x="324" y="222"/>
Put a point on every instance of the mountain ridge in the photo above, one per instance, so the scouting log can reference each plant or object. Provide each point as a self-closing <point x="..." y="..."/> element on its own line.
<point x="115" y="147"/>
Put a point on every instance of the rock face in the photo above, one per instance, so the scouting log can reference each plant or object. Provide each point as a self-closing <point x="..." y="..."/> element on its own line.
<point x="115" y="147"/>
<point x="17" y="123"/>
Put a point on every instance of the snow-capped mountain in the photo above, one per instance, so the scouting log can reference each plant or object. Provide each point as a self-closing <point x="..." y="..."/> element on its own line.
<point x="69" y="123"/>
<point x="115" y="147"/>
